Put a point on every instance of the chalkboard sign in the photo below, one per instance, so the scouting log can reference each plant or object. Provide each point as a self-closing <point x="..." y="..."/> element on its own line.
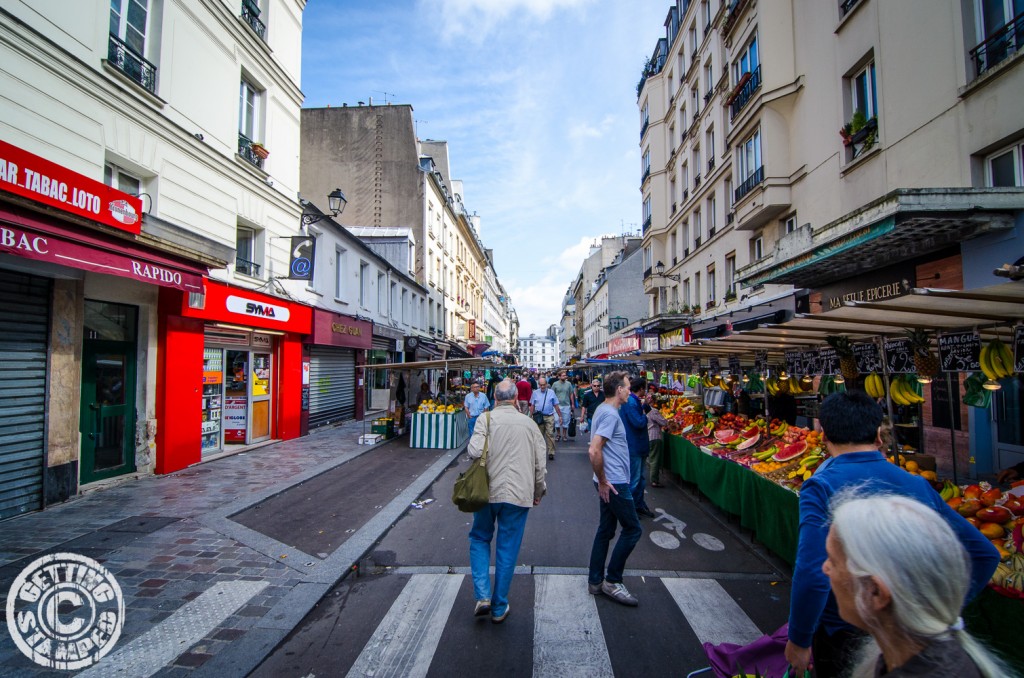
<point x="794" y="362"/>
<point x="716" y="367"/>
<point x="960" y="352"/>
<point x="812" y="363"/>
<point x="734" y="364"/>
<point x="899" y="356"/>
<point x="1018" y="349"/>
<point x="868" y="359"/>
<point x="760" y="362"/>
<point x="829" y="360"/>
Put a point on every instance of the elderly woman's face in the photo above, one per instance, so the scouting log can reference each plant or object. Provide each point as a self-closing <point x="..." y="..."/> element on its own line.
<point x="843" y="584"/>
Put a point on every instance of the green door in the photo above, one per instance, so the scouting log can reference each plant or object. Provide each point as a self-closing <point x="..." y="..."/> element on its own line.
<point x="108" y="409"/>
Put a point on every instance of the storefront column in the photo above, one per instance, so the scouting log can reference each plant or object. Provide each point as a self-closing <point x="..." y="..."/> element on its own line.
<point x="360" y="385"/>
<point x="179" y="389"/>
<point x="290" y="384"/>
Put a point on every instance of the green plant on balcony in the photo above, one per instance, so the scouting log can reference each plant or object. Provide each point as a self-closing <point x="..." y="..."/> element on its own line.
<point x="260" y="150"/>
<point x="730" y="296"/>
<point x="695" y="309"/>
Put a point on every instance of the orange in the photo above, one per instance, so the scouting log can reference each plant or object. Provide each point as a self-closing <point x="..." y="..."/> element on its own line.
<point x="912" y="466"/>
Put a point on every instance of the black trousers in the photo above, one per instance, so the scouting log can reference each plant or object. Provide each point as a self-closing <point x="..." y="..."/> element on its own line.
<point x="835" y="654"/>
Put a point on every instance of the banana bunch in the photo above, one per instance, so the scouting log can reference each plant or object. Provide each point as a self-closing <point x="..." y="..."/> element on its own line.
<point x="766" y="454"/>
<point x="903" y="392"/>
<point x="807" y="465"/>
<point x="996" y="360"/>
<point x="874" y="386"/>
<point x="1010" y="573"/>
<point x="949" y="490"/>
<point x="779" y="430"/>
<point x="771" y="385"/>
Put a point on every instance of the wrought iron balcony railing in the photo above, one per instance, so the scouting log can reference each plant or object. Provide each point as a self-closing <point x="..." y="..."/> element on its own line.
<point x="245" y="150"/>
<point x="131" y="63"/>
<point x="999" y="46"/>
<point x="246" y="267"/>
<point x="746" y="92"/>
<point x="749" y="183"/>
<point x="643" y="128"/>
<point x="251" y="16"/>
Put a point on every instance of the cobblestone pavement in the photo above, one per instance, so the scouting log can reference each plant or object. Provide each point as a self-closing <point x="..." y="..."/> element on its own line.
<point x="168" y="539"/>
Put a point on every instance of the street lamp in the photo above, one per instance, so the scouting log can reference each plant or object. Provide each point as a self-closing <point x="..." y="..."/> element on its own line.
<point x="336" y="202"/>
<point x="659" y="270"/>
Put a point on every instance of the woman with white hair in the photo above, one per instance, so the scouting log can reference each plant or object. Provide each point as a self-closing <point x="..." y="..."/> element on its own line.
<point x="899" y="572"/>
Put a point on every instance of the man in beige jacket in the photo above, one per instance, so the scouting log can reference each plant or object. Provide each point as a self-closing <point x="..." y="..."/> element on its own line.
<point x="516" y="469"/>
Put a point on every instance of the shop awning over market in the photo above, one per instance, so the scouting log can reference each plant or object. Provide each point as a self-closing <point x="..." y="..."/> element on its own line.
<point x="455" y="364"/>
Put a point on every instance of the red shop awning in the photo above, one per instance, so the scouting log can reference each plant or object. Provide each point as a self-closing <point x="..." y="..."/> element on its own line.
<point x="26" y="235"/>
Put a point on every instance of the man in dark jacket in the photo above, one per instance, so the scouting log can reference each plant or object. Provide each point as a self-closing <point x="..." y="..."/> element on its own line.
<point x="635" y="421"/>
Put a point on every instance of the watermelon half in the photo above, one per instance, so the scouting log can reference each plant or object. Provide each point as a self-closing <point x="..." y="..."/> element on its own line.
<point x="788" y="452"/>
<point x="722" y="435"/>
<point x="751" y="432"/>
<point x="749" y="442"/>
<point x="708" y="428"/>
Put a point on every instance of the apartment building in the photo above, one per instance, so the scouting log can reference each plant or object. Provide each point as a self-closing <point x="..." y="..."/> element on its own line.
<point x="148" y="193"/>
<point x="602" y="254"/>
<point x="616" y="300"/>
<point x="538" y="353"/>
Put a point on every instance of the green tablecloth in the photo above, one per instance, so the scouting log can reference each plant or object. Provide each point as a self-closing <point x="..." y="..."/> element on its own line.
<point x="768" y="509"/>
<point x="772" y="512"/>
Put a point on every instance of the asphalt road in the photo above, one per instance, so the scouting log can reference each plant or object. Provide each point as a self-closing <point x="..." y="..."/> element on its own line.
<point x="409" y="609"/>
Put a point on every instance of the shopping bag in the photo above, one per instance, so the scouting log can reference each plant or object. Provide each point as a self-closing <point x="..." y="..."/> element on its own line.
<point x="765" y="657"/>
<point x="572" y="427"/>
<point x="472" y="489"/>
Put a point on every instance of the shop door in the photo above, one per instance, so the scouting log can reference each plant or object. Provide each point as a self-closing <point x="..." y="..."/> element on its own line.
<point x="235" y="416"/>
<point x="108" y="409"/>
<point x="262" y="393"/>
<point x="24" y="326"/>
<point x="332" y="385"/>
<point x="1008" y="411"/>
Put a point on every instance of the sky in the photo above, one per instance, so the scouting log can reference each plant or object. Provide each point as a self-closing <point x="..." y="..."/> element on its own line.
<point x="537" y="100"/>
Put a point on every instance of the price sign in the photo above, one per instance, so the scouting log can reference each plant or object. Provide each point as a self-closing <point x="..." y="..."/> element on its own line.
<point x="829" y="360"/>
<point x="715" y="366"/>
<point x="812" y="363"/>
<point x="793" y="362"/>
<point x="760" y="362"/>
<point x="734" y="364"/>
<point x="868" y="359"/>
<point x="1018" y="349"/>
<point x="960" y="352"/>
<point x="899" y="356"/>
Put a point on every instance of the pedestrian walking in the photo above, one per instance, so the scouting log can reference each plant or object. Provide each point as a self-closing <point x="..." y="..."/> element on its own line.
<point x="475" y="404"/>
<point x="566" y="394"/>
<point x="544" y="403"/>
<point x="524" y="391"/>
<point x="591" y="400"/>
<point x="632" y="414"/>
<point x="656" y="424"/>
<point x="515" y="469"/>
<point x="534" y="384"/>
<point x="905" y="588"/>
<point x="850" y="423"/>
<point x="609" y="456"/>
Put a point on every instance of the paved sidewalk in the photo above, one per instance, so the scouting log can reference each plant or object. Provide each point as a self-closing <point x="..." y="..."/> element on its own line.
<point x="170" y="540"/>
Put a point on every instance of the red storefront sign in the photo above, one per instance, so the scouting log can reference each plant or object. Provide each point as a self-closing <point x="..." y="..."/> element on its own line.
<point x="471" y="333"/>
<point x="623" y="345"/>
<point x="335" y="329"/>
<point x="31" y="238"/>
<point x="38" y="179"/>
<point x="251" y="309"/>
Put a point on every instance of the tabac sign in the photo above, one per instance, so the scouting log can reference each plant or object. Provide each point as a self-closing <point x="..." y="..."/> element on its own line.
<point x="46" y="182"/>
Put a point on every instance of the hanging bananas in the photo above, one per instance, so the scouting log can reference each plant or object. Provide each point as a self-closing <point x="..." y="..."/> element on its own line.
<point x="903" y="392"/>
<point x="996" y="360"/>
<point x="874" y="386"/>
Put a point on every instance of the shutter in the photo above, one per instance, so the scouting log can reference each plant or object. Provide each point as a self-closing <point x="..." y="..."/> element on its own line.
<point x="24" y="326"/>
<point x="384" y="344"/>
<point x="332" y="385"/>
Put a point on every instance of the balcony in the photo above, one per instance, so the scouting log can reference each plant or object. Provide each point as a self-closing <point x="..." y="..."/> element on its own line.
<point x="708" y="95"/>
<point x="647" y="173"/>
<point x="846" y="6"/>
<point x="711" y="233"/>
<point x="686" y="252"/>
<point x="730" y="217"/>
<point x="711" y="163"/>
<point x="245" y="149"/>
<point x="749" y="183"/>
<point x="696" y="243"/>
<point x="673" y="209"/>
<point x="647" y="273"/>
<point x="246" y="267"/>
<point x="745" y="90"/>
<point x="696" y="182"/>
<point x="999" y="46"/>
<point x="131" y="64"/>
<point x="643" y="127"/>
<point x="686" y="194"/>
<point x="251" y="16"/>
<point x="647" y="225"/>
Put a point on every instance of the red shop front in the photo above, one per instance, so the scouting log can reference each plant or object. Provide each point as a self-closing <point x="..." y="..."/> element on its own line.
<point x="231" y="368"/>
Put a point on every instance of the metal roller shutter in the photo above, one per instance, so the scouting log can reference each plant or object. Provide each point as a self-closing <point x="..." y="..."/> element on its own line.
<point x="24" y="327"/>
<point x="332" y="385"/>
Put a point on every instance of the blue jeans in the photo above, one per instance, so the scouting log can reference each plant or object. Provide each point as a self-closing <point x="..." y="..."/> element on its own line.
<point x="619" y="510"/>
<point x="511" y="521"/>
<point x="472" y="425"/>
<point x="637" y="483"/>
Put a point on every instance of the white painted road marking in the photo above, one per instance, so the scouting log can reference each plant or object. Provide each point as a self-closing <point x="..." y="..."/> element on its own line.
<point x="712" y="613"/>
<point x="567" y="635"/>
<point x="162" y="644"/>
<point x="405" y="641"/>
<point x="664" y="539"/>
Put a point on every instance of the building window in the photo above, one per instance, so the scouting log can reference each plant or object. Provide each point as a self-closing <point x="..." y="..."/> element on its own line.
<point x="249" y="101"/>
<point x="339" y="273"/>
<point x="712" y="218"/>
<point x="405" y="306"/>
<point x="789" y="224"/>
<point x="749" y="171"/>
<point x="756" y="248"/>
<point x="647" y="213"/>
<point x="709" y="146"/>
<point x="645" y="165"/>
<point x="696" y="288"/>
<point x="865" y="98"/>
<point x="1005" y="168"/>
<point x="686" y="292"/>
<point x="382" y="291"/>
<point x="711" y="285"/>
<point x="117" y="178"/>
<point x="126" y="50"/>
<point x="730" y="275"/>
<point x="696" y="228"/>
<point x="364" y="284"/>
<point x="1000" y="32"/>
<point x="748" y="61"/>
<point x="248" y="251"/>
<point x="251" y="16"/>
<point x="709" y="80"/>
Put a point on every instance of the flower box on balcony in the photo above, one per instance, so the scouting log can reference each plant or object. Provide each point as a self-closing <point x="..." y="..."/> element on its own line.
<point x="738" y="88"/>
<point x="260" y="150"/>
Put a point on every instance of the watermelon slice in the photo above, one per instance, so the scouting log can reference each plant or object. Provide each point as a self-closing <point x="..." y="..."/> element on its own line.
<point x="729" y="440"/>
<point x="749" y="442"/>
<point x="751" y="432"/>
<point x="708" y="428"/>
<point x="720" y="436"/>
<point x="789" y="452"/>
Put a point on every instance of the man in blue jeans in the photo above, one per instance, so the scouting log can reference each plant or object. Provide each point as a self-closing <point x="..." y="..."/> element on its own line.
<point x="609" y="456"/>
<point x="475" y="404"/>
<point x="635" y="421"/>
<point x="516" y="468"/>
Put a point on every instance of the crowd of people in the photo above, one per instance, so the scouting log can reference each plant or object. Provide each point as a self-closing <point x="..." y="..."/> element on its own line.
<point x="884" y="566"/>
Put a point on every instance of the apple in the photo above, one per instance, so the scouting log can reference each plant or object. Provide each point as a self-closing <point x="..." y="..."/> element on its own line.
<point x="972" y="492"/>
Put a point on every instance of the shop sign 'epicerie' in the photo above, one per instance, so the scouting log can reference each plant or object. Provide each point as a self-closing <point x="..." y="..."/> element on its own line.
<point x="39" y="179"/>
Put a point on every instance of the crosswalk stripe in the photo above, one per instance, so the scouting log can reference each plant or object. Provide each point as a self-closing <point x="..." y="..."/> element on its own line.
<point x="567" y="635"/>
<point x="711" y="612"/>
<point x="405" y="641"/>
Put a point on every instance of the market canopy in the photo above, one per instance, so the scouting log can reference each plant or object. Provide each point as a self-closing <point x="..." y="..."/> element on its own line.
<point x="454" y="364"/>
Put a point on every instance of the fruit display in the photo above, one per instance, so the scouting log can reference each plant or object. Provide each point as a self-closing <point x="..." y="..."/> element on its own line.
<point x="905" y="389"/>
<point x="775" y="385"/>
<point x="847" y="359"/>
<point x="431" y="407"/>
<point x="999" y="516"/>
<point x="996" y="360"/>
<point x="874" y="386"/>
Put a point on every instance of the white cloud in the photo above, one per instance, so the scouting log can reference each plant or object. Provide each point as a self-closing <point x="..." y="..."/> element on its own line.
<point x="475" y="19"/>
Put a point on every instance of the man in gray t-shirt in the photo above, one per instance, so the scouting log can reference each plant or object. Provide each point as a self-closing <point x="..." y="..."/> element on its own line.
<point x="566" y="394"/>
<point x="609" y="457"/>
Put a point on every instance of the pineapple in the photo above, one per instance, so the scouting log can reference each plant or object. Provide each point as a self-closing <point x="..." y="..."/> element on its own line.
<point x="847" y="361"/>
<point x="925" y="362"/>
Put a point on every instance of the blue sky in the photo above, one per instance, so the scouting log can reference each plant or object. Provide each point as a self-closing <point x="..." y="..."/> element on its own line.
<point x="536" y="98"/>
